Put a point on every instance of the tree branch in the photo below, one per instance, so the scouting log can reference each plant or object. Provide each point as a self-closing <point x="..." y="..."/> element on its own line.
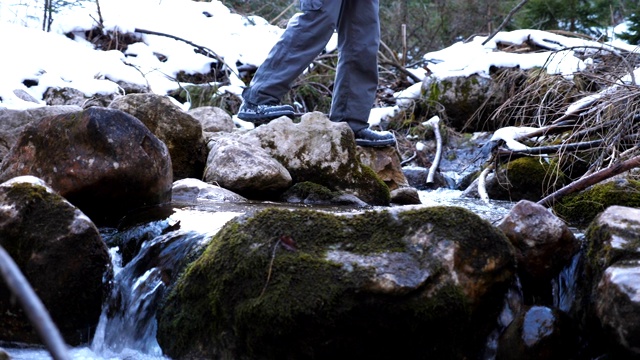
<point x="591" y="180"/>
<point x="505" y="21"/>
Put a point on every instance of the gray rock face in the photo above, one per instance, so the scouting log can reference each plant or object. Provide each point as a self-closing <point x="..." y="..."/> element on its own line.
<point x="320" y="151"/>
<point x="245" y="168"/>
<point x="62" y="255"/>
<point x="213" y="119"/>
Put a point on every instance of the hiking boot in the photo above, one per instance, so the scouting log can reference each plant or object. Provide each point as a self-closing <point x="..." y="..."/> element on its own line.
<point x="368" y="137"/>
<point x="262" y="114"/>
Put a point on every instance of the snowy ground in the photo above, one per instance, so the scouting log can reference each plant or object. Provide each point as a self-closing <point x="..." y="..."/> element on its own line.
<point x="52" y="59"/>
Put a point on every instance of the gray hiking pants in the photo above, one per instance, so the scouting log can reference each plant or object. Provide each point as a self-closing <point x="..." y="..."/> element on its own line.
<point x="306" y="36"/>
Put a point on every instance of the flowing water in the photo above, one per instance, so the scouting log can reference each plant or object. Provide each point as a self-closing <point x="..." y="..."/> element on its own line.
<point x="127" y="326"/>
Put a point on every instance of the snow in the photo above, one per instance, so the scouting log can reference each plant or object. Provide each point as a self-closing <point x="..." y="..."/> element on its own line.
<point x="53" y="59"/>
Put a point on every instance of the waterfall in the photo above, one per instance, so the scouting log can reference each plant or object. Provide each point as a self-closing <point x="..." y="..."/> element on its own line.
<point x="128" y="321"/>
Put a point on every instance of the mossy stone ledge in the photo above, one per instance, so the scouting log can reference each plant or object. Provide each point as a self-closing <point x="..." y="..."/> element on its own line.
<point x="302" y="284"/>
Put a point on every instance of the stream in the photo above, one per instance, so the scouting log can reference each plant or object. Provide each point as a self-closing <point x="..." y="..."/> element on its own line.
<point x="127" y="326"/>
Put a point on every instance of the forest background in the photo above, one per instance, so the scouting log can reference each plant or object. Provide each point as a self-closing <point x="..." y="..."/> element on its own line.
<point x="435" y="24"/>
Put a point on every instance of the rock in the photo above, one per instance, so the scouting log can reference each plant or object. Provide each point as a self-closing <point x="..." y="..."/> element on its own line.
<point x="322" y="152"/>
<point x="23" y="95"/>
<point x="178" y="130"/>
<point x="617" y="302"/>
<point x="213" y="119"/>
<point x="417" y="178"/>
<point x="461" y="96"/>
<point x="313" y="194"/>
<point x="539" y="333"/>
<point x="12" y="122"/>
<point x="103" y="161"/>
<point x="194" y="190"/>
<point x="525" y="178"/>
<point x="613" y="235"/>
<point x="608" y="304"/>
<point x="71" y="96"/>
<point x="405" y="196"/>
<point x="386" y="163"/>
<point x="245" y="168"/>
<point x="283" y="284"/>
<point x="583" y="207"/>
<point x="62" y="255"/>
<point x="544" y="245"/>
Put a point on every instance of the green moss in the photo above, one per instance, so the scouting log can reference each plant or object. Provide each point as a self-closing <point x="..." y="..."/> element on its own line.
<point x="45" y="213"/>
<point x="250" y="294"/>
<point x="581" y="208"/>
<point x="526" y="178"/>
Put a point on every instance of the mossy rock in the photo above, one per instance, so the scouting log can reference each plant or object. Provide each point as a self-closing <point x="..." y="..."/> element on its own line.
<point x="306" y="284"/>
<point x="581" y="208"/>
<point x="525" y="178"/>
<point x="62" y="256"/>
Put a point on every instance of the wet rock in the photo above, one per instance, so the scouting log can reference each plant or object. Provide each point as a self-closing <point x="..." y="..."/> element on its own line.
<point x="417" y="178"/>
<point x="178" y="130"/>
<point x="405" y="196"/>
<point x="12" y="122"/>
<point x="307" y="284"/>
<point x="245" y="168"/>
<point x="314" y="194"/>
<point x="194" y="190"/>
<point x="617" y="302"/>
<point x="213" y="119"/>
<point x="103" y="161"/>
<point x="62" y="255"/>
<point x="544" y="245"/>
<point x="612" y="275"/>
<point x="322" y="152"/>
<point x="526" y="178"/>
<point x="539" y="333"/>
<point x="583" y="207"/>
<point x="613" y="236"/>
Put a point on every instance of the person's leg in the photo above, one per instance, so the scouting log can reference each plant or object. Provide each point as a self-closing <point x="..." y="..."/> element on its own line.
<point x="357" y="73"/>
<point x="304" y="38"/>
<point x="356" y="82"/>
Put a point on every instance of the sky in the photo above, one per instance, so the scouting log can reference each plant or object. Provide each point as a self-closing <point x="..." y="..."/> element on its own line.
<point x="52" y="59"/>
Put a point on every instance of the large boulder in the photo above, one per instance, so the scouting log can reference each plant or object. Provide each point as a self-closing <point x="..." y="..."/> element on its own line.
<point x="320" y="151"/>
<point x="178" y="130"/>
<point x="103" y="161"/>
<point x="544" y="245"/>
<point x="61" y="254"/>
<point x="12" y="122"/>
<point x="283" y="284"/>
